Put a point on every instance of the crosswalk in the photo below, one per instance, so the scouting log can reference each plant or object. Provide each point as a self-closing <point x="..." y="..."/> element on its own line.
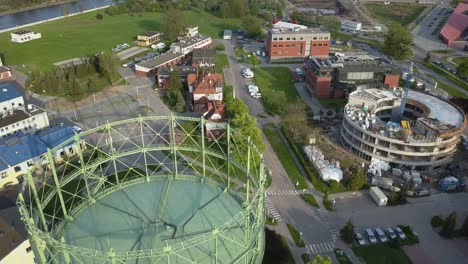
<point x="335" y="234"/>
<point x="320" y="248"/>
<point x="274" y="192"/>
<point x="271" y="210"/>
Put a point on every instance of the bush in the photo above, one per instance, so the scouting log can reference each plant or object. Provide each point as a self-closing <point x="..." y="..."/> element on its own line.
<point x="334" y="186"/>
<point x="99" y="16"/>
<point x="448" y="227"/>
<point x="437" y="221"/>
<point x="327" y="203"/>
<point x="219" y="47"/>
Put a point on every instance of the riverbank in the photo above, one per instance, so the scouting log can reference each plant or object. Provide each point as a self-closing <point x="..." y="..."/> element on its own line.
<point x="29" y="8"/>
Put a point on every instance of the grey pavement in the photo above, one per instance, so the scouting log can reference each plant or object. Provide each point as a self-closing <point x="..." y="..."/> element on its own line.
<point x="422" y="33"/>
<point x="418" y="213"/>
<point x="133" y="51"/>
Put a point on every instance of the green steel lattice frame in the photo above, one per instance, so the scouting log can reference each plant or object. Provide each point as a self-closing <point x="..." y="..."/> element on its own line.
<point x="58" y="188"/>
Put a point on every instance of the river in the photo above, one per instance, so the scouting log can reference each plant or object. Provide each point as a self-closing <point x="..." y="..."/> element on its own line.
<point x="36" y="15"/>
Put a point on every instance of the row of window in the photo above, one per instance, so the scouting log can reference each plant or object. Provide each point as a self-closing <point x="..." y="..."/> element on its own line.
<point x="16" y="125"/>
<point x="294" y="45"/>
<point x="301" y="38"/>
<point x="12" y="104"/>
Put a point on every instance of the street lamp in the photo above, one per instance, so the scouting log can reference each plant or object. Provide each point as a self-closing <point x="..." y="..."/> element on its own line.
<point x="300" y="235"/>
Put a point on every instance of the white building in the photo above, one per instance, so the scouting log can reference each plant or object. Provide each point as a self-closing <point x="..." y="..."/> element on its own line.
<point x="187" y="45"/>
<point x="351" y="26"/>
<point x="288" y="26"/>
<point x="14" y="245"/>
<point x="19" y="153"/>
<point x="15" y="116"/>
<point x="24" y="36"/>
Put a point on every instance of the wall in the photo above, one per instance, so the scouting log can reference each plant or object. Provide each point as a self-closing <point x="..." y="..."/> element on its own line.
<point x="319" y="51"/>
<point x="282" y="49"/>
<point x="11" y="104"/>
<point x="29" y="125"/>
<point x="20" y="255"/>
<point x="320" y="86"/>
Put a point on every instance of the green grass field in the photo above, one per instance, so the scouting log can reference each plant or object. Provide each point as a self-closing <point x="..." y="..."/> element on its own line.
<point x="285" y="157"/>
<point x="459" y="60"/>
<point x="403" y="14"/>
<point x="381" y="254"/>
<point x="309" y="198"/>
<point x="270" y="80"/>
<point x="84" y="35"/>
<point x="449" y="76"/>
<point x="221" y="61"/>
<point x="333" y="103"/>
<point x="451" y="91"/>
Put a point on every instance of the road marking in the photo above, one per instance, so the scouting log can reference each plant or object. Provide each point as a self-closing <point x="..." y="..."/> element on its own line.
<point x="323" y="247"/>
<point x="273" y="192"/>
<point x="271" y="210"/>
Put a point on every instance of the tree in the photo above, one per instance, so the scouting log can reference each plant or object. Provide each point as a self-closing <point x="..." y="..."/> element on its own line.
<point x="269" y="19"/>
<point x="99" y="16"/>
<point x="358" y="179"/>
<point x="347" y="233"/>
<point x="464" y="228"/>
<point x="331" y="23"/>
<point x="274" y="103"/>
<point x="448" y="228"/>
<point x="108" y="65"/>
<point x="173" y="23"/>
<point x="175" y="83"/>
<point x="462" y="68"/>
<point x="398" y="42"/>
<point x="321" y="260"/>
<point x="428" y="57"/>
<point x="252" y="25"/>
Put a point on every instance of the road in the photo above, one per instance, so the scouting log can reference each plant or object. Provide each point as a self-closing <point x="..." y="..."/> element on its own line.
<point x="284" y="202"/>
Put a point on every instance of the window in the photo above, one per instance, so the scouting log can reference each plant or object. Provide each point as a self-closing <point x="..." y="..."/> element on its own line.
<point x="62" y="153"/>
<point x="17" y="169"/>
<point x="30" y="163"/>
<point x="280" y="46"/>
<point x="293" y="38"/>
<point x="275" y="38"/>
<point x="280" y="38"/>
<point x="315" y="38"/>
<point x="3" y="175"/>
<point x="320" y="45"/>
<point x="325" y="38"/>
<point x="288" y="38"/>
<point x="325" y="44"/>
<point x="287" y="46"/>
<point x="302" y="38"/>
<point x="314" y="45"/>
<point x="28" y="249"/>
<point x="274" y="53"/>
<point x="293" y="45"/>
<point x="274" y="46"/>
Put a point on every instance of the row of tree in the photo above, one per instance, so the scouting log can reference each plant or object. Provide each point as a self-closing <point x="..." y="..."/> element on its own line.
<point x="449" y="226"/>
<point x="77" y="81"/>
<point x="237" y="113"/>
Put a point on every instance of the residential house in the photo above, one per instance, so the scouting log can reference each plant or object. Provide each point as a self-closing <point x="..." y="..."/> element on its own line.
<point x="148" y="38"/>
<point x="206" y="93"/>
<point x="24" y="36"/>
<point x="163" y="73"/>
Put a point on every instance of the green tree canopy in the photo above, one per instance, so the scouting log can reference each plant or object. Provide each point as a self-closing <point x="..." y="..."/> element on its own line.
<point x="252" y="25"/>
<point x="448" y="228"/>
<point x="347" y="233"/>
<point x="173" y="23"/>
<point x="321" y="260"/>
<point x="358" y="179"/>
<point x="398" y="42"/>
<point x="109" y="65"/>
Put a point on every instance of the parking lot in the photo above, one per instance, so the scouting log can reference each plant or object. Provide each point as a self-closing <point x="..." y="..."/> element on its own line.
<point x="426" y="34"/>
<point x="417" y="214"/>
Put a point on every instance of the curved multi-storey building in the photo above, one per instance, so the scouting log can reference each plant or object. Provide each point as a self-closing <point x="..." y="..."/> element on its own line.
<point x="424" y="139"/>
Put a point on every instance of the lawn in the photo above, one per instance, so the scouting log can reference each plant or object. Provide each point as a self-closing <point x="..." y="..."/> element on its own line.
<point x="84" y="35"/>
<point x="333" y="103"/>
<point x="296" y="236"/>
<point x="459" y="60"/>
<point x="309" y="198"/>
<point x="381" y="254"/>
<point x="451" y="91"/>
<point x="275" y="79"/>
<point x="285" y="157"/>
<point x="221" y="61"/>
<point x="403" y="14"/>
<point x="447" y="75"/>
<point x="239" y="52"/>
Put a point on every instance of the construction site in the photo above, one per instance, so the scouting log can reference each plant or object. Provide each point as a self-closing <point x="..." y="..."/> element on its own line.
<point x="406" y="130"/>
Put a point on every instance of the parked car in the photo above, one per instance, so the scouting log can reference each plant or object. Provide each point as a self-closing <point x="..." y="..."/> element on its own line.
<point x="370" y="236"/>
<point x="298" y="71"/>
<point x="400" y="232"/>
<point x="391" y="233"/>
<point x="297" y="77"/>
<point x="252" y="88"/>
<point x="247" y="73"/>
<point x="381" y="235"/>
<point x="359" y="238"/>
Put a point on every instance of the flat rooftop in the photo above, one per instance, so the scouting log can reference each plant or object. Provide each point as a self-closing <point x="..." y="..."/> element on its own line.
<point x="183" y="70"/>
<point x="299" y="31"/>
<point x="8" y="91"/>
<point x="187" y="42"/>
<point x="161" y="59"/>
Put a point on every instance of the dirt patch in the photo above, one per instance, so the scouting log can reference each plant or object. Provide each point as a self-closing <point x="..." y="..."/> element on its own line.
<point x="61" y="104"/>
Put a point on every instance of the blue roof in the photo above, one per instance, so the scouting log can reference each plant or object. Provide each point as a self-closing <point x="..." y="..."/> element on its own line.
<point x="19" y="148"/>
<point x="8" y="91"/>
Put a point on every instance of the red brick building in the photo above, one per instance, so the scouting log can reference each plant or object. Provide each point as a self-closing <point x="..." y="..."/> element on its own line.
<point x="334" y="77"/>
<point x="296" y="44"/>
